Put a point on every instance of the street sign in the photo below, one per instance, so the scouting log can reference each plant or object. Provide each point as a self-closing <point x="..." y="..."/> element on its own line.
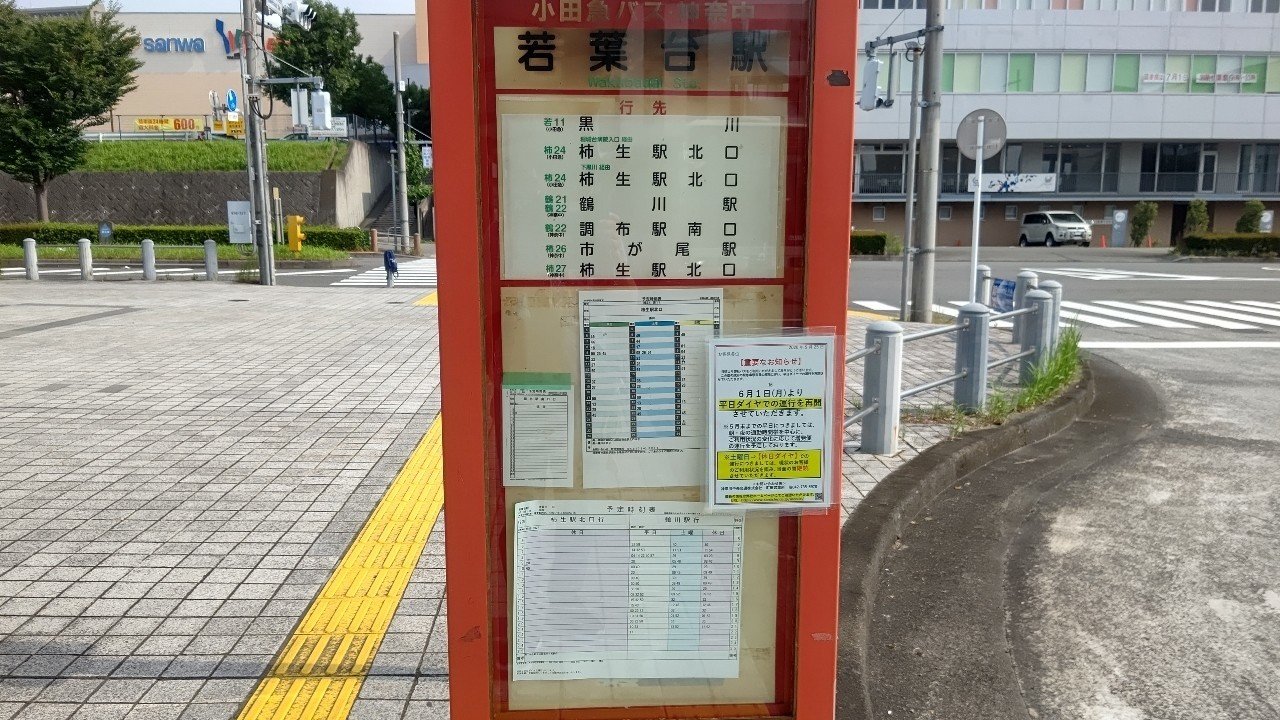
<point x="233" y="101"/>
<point x="105" y="232"/>
<point x="337" y="129"/>
<point x="1268" y="221"/>
<point x="994" y="134"/>
<point x="240" y="222"/>
<point x="428" y="156"/>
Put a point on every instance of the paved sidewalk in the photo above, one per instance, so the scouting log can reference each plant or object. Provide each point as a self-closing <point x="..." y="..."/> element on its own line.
<point x="182" y="465"/>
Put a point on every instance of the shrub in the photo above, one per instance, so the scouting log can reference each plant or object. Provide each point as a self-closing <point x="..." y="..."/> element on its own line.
<point x="213" y="155"/>
<point x="1231" y="244"/>
<point x="348" y="239"/>
<point x="1140" y="222"/>
<point x="868" y="242"/>
<point x="1197" y="218"/>
<point x="1251" y="219"/>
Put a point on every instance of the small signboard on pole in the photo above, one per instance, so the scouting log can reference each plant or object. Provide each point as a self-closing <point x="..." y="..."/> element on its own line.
<point x="980" y="135"/>
<point x="240" y="222"/>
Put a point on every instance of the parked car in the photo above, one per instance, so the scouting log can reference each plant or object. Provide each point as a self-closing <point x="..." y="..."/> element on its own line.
<point x="1054" y="228"/>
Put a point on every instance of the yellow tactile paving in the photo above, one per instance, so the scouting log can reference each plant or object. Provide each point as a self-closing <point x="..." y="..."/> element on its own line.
<point x="431" y="299"/>
<point x="318" y="673"/>
<point x="870" y="315"/>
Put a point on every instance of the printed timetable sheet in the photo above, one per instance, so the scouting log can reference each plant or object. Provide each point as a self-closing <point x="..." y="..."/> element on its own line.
<point x="644" y="385"/>
<point x="626" y="589"/>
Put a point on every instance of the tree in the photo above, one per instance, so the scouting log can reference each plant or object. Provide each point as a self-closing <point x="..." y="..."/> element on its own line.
<point x="1197" y="218"/>
<point x="371" y="94"/>
<point x="419" y="180"/>
<point x="328" y="50"/>
<point x="1251" y="219"/>
<point x="57" y="77"/>
<point x="417" y="106"/>
<point x="1144" y="216"/>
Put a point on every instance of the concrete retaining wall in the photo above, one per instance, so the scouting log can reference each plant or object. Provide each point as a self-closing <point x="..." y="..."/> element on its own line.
<point x="340" y="197"/>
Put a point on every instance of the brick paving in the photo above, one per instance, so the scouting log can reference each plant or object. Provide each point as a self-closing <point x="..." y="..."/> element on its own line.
<point x="183" y="464"/>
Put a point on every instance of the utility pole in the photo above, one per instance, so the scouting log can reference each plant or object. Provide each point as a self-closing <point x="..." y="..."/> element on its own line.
<point x="255" y="138"/>
<point x="930" y="155"/>
<point x="402" y="173"/>
<point x="908" y="252"/>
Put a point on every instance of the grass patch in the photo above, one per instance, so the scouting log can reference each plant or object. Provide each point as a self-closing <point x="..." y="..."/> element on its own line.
<point x="164" y="253"/>
<point x="211" y="155"/>
<point x="1062" y="369"/>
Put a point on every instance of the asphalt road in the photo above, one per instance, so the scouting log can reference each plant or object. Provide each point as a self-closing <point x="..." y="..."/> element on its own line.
<point x="1129" y="568"/>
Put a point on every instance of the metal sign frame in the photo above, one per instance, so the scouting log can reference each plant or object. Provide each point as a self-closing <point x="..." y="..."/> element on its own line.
<point x="470" y="330"/>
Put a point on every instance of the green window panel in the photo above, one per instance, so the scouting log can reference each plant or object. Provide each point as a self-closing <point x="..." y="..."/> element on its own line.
<point x="1255" y="65"/>
<point x="1203" y="64"/>
<point x="968" y="73"/>
<point x="1021" y="72"/>
<point x="948" y="72"/>
<point x="1177" y="66"/>
<point x="1125" y="74"/>
<point x="1273" y="74"/>
<point x="1073" y="71"/>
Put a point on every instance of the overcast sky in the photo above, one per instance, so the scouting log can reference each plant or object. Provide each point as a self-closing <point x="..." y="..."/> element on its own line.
<point x="366" y="6"/>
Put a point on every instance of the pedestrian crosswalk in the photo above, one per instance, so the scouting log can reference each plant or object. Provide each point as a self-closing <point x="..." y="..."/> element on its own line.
<point x="1243" y="315"/>
<point x="414" y="273"/>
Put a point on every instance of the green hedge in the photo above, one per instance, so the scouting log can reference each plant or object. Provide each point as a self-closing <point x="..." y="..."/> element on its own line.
<point x="868" y="242"/>
<point x="68" y="233"/>
<point x="1231" y="244"/>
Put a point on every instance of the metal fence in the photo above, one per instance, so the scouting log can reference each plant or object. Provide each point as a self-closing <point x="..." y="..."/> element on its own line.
<point x="84" y="253"/>
<point x="977" y="360"/>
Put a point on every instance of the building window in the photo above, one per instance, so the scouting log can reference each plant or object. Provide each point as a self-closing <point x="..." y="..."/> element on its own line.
<point x="1010" y="212"/>
<point x="1046" y="73"/>
<point x="1125" y="74"/>
<point x="1259" y="168"/>
<point x="1078" y="209"/>
<point x="880" y="168"/>
<point x="968" y="73"/>
<point x="1073" y="71"/>
<point x="944" y="212"/>
<point x="1098" y="78"/>
<point x="995" y="73"/>
<point x="1202" y="66"/>
<point x="877" y="213"/>
<point x="1170" y="167"/>
<point x="1264" y="6"/>
<point x="1021" y="73"/>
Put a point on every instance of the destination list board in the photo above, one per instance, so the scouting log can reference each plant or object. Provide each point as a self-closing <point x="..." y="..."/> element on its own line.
<point x="641" y="197"/>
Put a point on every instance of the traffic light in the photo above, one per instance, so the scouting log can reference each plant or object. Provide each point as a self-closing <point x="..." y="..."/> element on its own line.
<point x="302" y="14"/>
<point x="294" y="225"/>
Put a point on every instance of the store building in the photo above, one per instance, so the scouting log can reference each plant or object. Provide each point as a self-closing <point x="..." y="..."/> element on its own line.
<point x="187" y="55"/>
<point x="1118" y="100"/>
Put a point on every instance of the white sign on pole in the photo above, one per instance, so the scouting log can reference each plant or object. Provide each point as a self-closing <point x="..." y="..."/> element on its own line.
<point x="980" y="135"/>
<point x="428" y="156"/>
<point x="240" y="222"/>
<point x="771" y="422"/>
<point x="337" y="129"/>
<point x="1268" y="221"/>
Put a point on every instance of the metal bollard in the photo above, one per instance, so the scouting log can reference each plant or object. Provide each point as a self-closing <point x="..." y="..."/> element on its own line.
<point x="1027" y="281"/>
<point x="1054" y="288"/>
<point x="373" y="240"/>
<point x="971" y="357"/>
<point x="30" y="259"/>
<point x="210" y="260"/>
<point x="882" y="384"/>
<point x="148" y="260"/>
<point x="1036" y="334"/>
<point x="984" y="285"/>
<point x="417" y="244"/>
<point x="86" y="259"/>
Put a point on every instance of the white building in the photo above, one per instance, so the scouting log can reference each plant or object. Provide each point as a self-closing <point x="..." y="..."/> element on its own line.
<point x="1121" y="100"/>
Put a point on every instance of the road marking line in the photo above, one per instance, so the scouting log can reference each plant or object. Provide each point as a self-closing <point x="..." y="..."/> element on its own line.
<point x="1178" y="345"/>
<point x="316" y="272"/>
<point x="874" y="305"/>
<point x="319" y="670"/>
<point x="1214" y="322"/>
<point x="429" y="299"/>
<point x="1094" y="320"/>
<point x="1148" y="319"/>
<point x="1265" y="312"/>
<point x="1214" y="312"/>
<point x="1259" y="303"/>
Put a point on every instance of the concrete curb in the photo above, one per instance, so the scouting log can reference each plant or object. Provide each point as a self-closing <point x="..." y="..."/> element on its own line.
<point x="879" y="519"/>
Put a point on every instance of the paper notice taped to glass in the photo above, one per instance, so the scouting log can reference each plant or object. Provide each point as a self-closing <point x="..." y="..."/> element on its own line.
<point x="626" y="589"/>
<point x="537" y="430"/>
<point x="771" y="422"/>
<point x="644" y="385"/>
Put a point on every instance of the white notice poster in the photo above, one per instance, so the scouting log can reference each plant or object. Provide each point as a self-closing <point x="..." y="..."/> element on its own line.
<point x="644" y="385"/>
<point x="771" y="422"/>
<point x="537" y="430"/>
<point x="625" y="589"/>
<point x="641" y="196"/>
